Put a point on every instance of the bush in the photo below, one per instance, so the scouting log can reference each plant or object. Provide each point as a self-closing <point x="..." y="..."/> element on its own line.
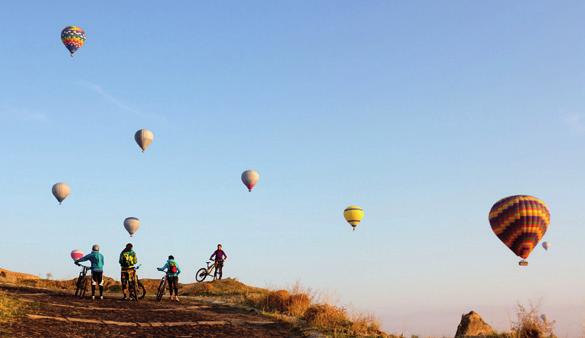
<point x="530" y="324"/>
<point x="298" y="304"/>
<point x="328" y="317"/>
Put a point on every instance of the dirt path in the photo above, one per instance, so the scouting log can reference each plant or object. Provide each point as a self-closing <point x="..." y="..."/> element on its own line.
<point x="56" y="314"/>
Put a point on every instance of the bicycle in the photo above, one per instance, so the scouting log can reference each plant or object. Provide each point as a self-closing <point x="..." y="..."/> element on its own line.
<point x="204" y="272"/>
<point x="136" y="289"/>
<point x="160" y="292"/>
<point x="82" y="281"/>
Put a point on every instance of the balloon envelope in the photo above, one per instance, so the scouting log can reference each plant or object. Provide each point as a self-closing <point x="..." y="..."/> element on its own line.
<point x="353" y="215"/>
<point x="546" y="245"/>
<point x="132" y="224"/>
<point x="77" y="254"/>
<point x="143" y="138"/>
<point x="250" y="178"/>
<point x="61" y="191"/>
<point x="520" y="222"/>
<point x="73" y="37"/>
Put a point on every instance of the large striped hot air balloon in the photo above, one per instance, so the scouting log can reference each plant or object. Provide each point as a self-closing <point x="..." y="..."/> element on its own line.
<point x="520" y="222"/>
<point x="353" y="215"/>
<point x="73" y="37"/>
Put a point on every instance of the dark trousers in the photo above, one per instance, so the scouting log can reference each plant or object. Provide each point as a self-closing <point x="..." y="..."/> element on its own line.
<point x="218" y="269"/>
<point x="97" y="279"/>
<point x="173" y="284"/>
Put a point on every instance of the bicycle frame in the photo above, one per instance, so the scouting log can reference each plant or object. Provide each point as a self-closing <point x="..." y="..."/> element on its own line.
<point x="81" y="283"/>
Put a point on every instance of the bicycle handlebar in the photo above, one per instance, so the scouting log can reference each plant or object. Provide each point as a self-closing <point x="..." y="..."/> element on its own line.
<point x="85" y="266"/>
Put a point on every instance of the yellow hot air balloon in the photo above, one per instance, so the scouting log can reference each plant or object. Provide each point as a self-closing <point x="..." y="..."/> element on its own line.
<point x="353" y="215"/>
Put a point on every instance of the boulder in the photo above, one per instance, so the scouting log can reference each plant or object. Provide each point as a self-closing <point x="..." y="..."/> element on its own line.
<point x="472" y="325"/>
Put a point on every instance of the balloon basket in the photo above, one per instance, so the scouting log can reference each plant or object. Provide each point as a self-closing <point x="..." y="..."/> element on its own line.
<point x="523" y="263"/>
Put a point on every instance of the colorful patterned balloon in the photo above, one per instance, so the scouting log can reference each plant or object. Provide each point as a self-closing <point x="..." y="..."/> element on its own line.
<point x="520" y="222"/>
<point x="73" y="38"/>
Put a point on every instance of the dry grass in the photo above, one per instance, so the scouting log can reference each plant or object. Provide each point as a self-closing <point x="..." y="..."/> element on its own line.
<point x="300" y="303"/>
<point x="327" y="317"/>
<point x="9" y="308"/>
<point x="531" y="324"/>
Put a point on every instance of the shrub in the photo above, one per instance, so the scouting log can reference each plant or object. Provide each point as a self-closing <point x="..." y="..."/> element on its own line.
<point x="298" y="304"/>
<point x="328" y="317"/>
<point x="364" y="324"/>
<point x="530" y="324"/>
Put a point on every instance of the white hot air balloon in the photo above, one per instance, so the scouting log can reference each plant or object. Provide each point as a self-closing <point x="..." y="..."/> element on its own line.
<point x="250" y="178"/>
<point x="132" y="224"/>
<point x="143" y="138"/>
<point x="546" y="245"/>
<point x="61" y="191"/>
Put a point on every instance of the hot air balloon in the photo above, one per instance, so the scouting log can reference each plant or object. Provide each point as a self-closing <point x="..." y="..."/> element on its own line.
<point x="546" y="245"/>
<point x="520" y="222"/>
<point x="73" y="38"/>
<point x="353" y="215"/>
<point x="131" y="224"/>
<point x="61" y="191"/>
<point x="77" y="254"/>
<point x="250" y="178"/>
<point x="144" y="138"/>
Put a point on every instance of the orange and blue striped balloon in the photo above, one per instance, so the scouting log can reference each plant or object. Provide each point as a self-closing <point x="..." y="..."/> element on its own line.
<point x="520" y="222"/>
<point x="73" y="38"/>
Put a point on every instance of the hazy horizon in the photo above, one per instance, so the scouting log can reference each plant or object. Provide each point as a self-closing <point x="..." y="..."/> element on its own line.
<point x="422" y="113"/>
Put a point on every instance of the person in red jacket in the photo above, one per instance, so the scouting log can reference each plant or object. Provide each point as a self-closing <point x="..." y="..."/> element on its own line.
<point x="219" y="257"/>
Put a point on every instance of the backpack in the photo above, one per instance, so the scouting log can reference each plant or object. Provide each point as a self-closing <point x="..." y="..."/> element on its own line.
<point x="128" y="259"/>
<point x="173" y="267"/>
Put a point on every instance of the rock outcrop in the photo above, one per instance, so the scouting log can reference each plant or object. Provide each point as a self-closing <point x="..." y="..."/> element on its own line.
<point x="472" y="325"/>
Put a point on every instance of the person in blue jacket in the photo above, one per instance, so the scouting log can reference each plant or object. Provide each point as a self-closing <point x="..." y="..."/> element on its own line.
<point x="172" y="269"/>
<point x="97" y="269"/>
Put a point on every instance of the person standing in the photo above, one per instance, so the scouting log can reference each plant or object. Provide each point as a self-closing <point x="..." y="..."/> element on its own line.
<point x="218" y="256"/>
<point x="172" y="270"/>
<point x="97" y="269"/>
<point x="127" y="262"/>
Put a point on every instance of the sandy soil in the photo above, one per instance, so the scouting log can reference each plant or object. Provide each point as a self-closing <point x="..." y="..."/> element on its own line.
<point x="59" y="314"/>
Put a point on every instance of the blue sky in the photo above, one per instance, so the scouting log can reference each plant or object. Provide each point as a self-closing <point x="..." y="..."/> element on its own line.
<point x="424" y="113"/>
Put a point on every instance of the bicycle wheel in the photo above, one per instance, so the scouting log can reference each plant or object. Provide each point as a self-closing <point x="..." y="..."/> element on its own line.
<point x="84" y="283"/>
<point x="78" y="286"/>
<point x="141" y="290"/>
<point x="161" y="289"/>
<point x="201" y="275"/>
<point x="132" y="290"/>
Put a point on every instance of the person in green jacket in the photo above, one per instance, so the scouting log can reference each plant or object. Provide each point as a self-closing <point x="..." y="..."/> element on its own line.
<point x="97" y="269"/>
<point x="127" y="262"/>
<point x="172" y="269"/>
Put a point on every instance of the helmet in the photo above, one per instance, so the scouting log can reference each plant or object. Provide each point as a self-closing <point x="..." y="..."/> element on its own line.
<point x="129" y="246"/>
<point x="95" y="247"/>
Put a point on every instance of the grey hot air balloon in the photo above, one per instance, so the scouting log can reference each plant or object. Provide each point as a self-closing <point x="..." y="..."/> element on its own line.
<point x="131" y="224"/>
<point x="250" y="178"/>
<point x="144" y="138"/>
<point x="546" y="245"/>
<point x="61" y="191"/>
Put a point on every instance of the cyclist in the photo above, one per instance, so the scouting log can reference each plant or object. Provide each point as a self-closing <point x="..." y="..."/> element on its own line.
<point x="97" y="269"/>
<point x="219" y="257"/>
<point x="127" y="261"/>
<point x="173" y="271"/>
